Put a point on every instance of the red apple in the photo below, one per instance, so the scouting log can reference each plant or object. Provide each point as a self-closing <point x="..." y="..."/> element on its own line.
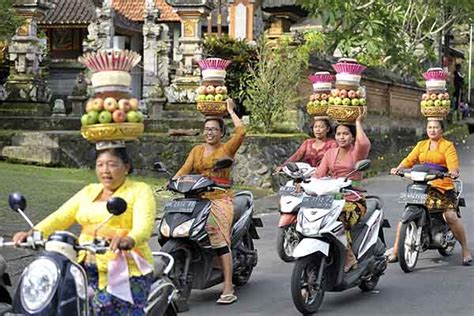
<point x="224" y="89"/>
<point x="316" y="96"/>
<point x="343" y="93"/>
<point x="440" y="96"/>
<point x="110" y="104"/>
<point x="433" y="96"/>
<point x="335" y="92"/>
<point x="201" y="90"/>
<point x="119" y="116"/>
<point x="351" y="94"/>
<point x="133" y="104"/>
<point x="357" y="94"/>
<point x="311" y="97"/>
<point x="220" y="90"/>
<point x="210" y="89"/>
<point x="124" y="105"/>
<point x="446" y="96"/>
<point x="425" y="96"/>
<point x="324" y="96"/>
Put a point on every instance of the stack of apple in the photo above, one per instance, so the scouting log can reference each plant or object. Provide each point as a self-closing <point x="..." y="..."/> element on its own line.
<point x="435" y="100"/>
<point x="319" y="99"/>
<point x="109" y="110"/>
<point x="211" y="93"/>
<point x="347" y="97"/>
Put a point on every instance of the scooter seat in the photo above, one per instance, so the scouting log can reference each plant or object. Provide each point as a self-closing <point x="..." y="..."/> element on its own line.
<point x="242" y="202"/>
<point x="373" y="203"/>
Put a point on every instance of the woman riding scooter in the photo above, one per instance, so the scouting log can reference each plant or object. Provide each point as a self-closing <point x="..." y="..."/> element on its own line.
<point x="201" y="160"/>
<point x="353" y="145"/>
<point x="441" y="154"/>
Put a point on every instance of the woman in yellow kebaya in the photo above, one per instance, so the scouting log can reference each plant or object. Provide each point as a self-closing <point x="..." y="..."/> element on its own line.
<point x="129" y="231"/>
<point x="440" y="153"/>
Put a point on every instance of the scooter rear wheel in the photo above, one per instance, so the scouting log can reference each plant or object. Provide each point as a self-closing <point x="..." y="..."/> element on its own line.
<point x="307" y="297"/>
<point x="449" y="249"/>
<point x="407" y="247"/>
<point x="243" y="276"/>
<point x="287" y="240"/>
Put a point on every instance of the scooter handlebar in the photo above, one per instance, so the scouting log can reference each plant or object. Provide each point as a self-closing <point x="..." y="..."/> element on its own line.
<point x="170" y="258"/>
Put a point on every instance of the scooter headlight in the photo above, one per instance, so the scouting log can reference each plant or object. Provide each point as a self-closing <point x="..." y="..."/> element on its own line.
<point x="183" y="229"/>
<point x="164" y="228"/>
<point x="80" y="280"/>
<point x="39" y="284"/>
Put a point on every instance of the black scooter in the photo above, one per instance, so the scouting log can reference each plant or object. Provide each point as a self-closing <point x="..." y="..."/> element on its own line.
<point x="182" y="234"/>
<point x="5" y="299"/>
<point x="55" y="284"/>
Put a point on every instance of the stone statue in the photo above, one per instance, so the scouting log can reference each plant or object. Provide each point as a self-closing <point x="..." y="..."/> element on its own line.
<point x="80" y="86"/>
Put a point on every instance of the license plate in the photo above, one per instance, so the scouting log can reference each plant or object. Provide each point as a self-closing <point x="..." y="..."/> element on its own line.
<point x="180" y="207"/>
<point x="288" y="191"/>
<point x="413" y="198"/>
<point x="321" y="202"/>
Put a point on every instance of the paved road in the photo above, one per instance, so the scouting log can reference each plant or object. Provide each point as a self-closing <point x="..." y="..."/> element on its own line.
<point x="439" y="286"/>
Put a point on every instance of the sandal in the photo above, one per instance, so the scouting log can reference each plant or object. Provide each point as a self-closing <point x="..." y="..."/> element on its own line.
<point x="227" y="299"/>
<point x="467" y="261"/>
<point x="392" y="258"/>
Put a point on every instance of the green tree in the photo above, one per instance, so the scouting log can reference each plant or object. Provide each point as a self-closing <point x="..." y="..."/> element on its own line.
<point x="277" y="73"/>
<point x="9" y="20"/>
<point x="390" y="33"/>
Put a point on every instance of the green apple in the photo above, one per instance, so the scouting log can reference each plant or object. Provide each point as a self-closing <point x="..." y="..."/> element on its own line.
<point x="362" y="101"/>
<point x="355" y="102"/>
<point x="429" y="103"/>
<point x="331" y="100"/>
<point x="105" y="117"/>
<point x="133" y="117"/>
<point x="346" y="101"/>
<point x="86" y="119"/>
<point x="201" y="97"/>
<point x="337" y="100"/>
<point x="437" y="102"/>
<point x="309" y="104"/>
<point x="446" y="103"/>
<point x="94" y="116"/>
<point x="317" y="102"/>
<point x="423" y="103"/>
<point x="219" y="97"/>
<point x="140" y="116"/>
<point x="323" y="103"/>
<point x="210" y="97"/>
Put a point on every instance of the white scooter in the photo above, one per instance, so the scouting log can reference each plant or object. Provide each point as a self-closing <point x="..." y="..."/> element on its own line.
<point x="291" y="196"/>
<point x="320" y="256"/>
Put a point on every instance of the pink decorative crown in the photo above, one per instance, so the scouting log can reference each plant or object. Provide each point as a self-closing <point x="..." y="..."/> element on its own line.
<point x="435" y="74"/>
<point x="104" y="60"/>
<point x="322" y="76"/>
<point x="214" y="63"/>
<point x="348" y="66"/>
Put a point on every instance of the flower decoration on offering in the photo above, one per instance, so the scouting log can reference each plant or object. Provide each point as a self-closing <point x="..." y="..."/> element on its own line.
<point x="111" y="114"/>
<point x="346" y="100"/>
<point x="212" y="94"/>
<point x="319" y="100"/>
<point x="435" y="103"/>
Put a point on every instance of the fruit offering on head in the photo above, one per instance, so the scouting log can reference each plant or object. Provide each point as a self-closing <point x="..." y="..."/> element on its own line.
<point x="110" y="104"/>
<point x="105" y="117"/>
<point x="134" y="103"/>
<point x="124" y="105"/>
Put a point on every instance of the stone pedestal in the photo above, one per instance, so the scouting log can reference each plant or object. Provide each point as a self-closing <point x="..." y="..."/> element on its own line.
<point x="28" y="93"/>
<point x="155" y="107"/>
<point x="192" y="14"/>
<point x="78" y="105"/>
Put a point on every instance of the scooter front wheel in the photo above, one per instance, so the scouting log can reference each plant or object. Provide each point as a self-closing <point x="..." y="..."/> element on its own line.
<point x="408" y="250"/>
<point x="286" y="242"/>
<point x="307" y="294"/>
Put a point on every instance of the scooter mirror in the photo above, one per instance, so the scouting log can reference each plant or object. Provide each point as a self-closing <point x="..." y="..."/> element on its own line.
<point x="116" y="206"/>
<point x="292" y="167"/>
<point x="223" y="164"/>
<point x="362" y="165"/>
<point x="17" y="201"/>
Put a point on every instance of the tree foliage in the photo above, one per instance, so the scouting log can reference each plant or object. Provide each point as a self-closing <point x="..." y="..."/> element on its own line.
<point x="394" y="34"/>
<point x="9" y="20"/>
<point x="277" y="73"/>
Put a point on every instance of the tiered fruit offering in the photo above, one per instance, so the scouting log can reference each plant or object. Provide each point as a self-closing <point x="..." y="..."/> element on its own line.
<point x="211" y="93"/>
<point x="347" y="97"/>
<point x="109" y="110"/>
<point x="435" y="99"/>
